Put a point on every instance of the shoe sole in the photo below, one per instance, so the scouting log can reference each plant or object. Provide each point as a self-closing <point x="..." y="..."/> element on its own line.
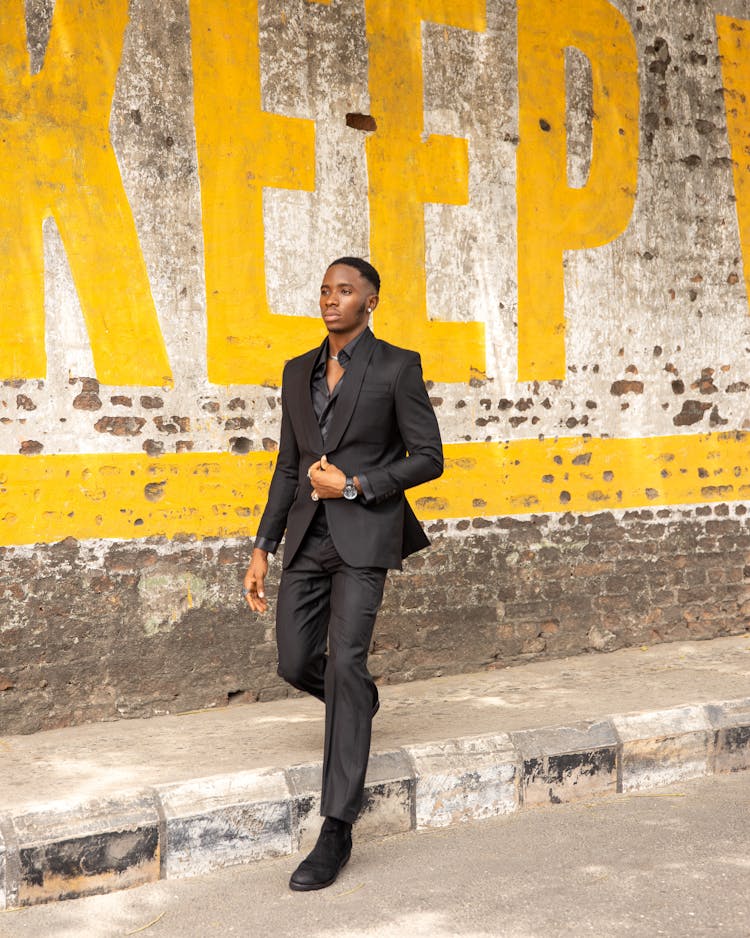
<point x="299" y="887"/>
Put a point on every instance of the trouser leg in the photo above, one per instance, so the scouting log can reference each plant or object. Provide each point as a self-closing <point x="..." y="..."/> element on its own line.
<point x="302" y="614"/>
<point x="325" y="604"/>
<point x="350" y="692"/>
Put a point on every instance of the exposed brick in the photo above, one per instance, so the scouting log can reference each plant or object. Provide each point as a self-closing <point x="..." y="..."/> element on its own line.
<point x="238" y="423"/>
<point x="692" y="412"/>
<point x="153" y="447"/>
<point x="87" y="400"/>
<point x="149" y="402"/>
<point x="626" y="387"/>
<point x="24" y="402"/>
<point x="120" y="426"/>
<point x="617" y="585"/>
<point x="172" y="424"/>
<point x="594" y="583"/>
<point x="30" y="447"/>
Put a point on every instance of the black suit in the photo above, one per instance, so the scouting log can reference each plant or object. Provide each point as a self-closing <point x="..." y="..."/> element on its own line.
<point x="337" y="551"/>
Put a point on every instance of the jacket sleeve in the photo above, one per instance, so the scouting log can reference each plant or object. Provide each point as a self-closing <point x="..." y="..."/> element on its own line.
<point x="284" y="483"/>
<point x="419" y="430"/>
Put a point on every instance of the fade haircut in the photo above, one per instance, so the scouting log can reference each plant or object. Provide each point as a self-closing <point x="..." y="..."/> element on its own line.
<point x="364" y="267"/>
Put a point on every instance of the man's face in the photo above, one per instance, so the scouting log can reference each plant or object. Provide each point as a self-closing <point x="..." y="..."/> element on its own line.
<point x="346" y="300"/>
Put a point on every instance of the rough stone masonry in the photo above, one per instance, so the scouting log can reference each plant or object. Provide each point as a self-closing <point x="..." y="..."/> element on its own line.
<point x="556" y="198"/>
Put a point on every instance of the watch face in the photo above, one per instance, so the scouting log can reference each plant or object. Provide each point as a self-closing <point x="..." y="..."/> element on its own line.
<point x="350" y="490"/>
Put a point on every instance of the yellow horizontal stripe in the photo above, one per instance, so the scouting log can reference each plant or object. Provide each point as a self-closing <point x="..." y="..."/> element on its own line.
<point x="577" y="474"/>
<point x="47" y="498"/>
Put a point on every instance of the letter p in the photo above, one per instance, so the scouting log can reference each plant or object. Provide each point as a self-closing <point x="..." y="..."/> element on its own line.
<point x="552" y="216"/>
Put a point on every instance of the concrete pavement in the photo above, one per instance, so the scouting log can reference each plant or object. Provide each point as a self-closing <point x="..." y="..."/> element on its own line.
<point x="102" y="807"/>
<point x="671" y="863"/>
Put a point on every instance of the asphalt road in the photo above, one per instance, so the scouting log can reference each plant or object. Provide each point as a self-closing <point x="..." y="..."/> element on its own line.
<point x="673" y="862"/>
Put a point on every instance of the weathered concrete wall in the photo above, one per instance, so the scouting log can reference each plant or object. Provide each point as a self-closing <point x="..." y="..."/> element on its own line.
<point x="556" y="196"/>
<point x="133" y="628"/>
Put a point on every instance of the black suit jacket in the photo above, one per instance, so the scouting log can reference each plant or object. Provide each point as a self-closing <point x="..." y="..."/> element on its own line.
<point x="383" y="426"/>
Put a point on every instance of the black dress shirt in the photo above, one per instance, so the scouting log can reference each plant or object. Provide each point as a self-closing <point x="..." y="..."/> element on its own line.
<point x="324" y="405"/>
<point x="323" y="400"/>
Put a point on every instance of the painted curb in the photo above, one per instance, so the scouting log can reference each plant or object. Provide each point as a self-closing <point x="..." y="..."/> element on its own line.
<point x="81" y="847"/>
<point x="731" y="742"/>
<point x="8" y="899"/>
<point x="567" y="763"/>
<point x="77" y="848"/>
<point x="463" y="779"/>
<point x="662" y="748"/>
<point x="223" y="820"/>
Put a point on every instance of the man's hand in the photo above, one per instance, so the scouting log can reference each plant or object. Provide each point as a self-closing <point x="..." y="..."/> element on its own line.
<point x="327" y="480"/>
<point x="255" y="579"/>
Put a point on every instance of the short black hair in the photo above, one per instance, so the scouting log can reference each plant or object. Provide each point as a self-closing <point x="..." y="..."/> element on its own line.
<point x="363" y="266"/>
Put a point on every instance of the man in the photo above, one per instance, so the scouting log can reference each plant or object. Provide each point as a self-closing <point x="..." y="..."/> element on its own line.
<point x="357" y="428"/>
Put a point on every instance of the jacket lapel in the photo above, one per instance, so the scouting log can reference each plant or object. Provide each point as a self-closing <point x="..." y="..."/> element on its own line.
<point x="303" y="400"/>
<point x="349" y="392"/>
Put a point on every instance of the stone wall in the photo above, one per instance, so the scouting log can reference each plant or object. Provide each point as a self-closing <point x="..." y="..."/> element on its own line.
<point x="556" y="196"/>
<point x="138" y="628"/>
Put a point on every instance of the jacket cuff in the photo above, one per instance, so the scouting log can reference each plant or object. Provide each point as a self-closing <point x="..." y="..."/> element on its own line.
<point x="368" y="496"/>
<point x="264" y="543"/>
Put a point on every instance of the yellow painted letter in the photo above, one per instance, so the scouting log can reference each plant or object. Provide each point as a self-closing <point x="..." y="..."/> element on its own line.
<point x="552" y="217"/>
<point x="734" y="50"/>
<point x="57" y="159"/>
<point x="241" y="149"/>
<point x="405" y="173"/>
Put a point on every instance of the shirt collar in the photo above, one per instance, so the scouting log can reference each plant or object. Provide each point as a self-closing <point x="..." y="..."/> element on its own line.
<point x="344" y="356"/>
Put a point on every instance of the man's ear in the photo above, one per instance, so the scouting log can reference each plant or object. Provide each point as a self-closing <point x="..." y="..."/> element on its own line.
<point x="372" y="302"/>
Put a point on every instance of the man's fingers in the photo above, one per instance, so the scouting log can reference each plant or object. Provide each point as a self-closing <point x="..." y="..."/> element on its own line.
<point x="256" y="586"/>
<point x="256" y="601"/>
<point x="257" y="604"/>
<point x="253" y="584"/>
<point x="324" y="462"/>
<point x="254" y="590"/>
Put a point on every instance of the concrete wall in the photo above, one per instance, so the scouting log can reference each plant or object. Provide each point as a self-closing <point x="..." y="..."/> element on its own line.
<point x="557" y="198"/>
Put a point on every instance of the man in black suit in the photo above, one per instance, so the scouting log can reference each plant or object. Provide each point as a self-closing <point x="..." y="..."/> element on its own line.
<point x="357" y="429"/>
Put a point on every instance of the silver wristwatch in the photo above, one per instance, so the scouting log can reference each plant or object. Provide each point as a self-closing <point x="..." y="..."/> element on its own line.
<point x="350" y="489"/>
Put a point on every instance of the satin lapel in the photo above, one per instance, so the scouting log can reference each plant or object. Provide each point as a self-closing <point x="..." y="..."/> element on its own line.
<point x="349" y="393"/>
<point x="302" y="398"/>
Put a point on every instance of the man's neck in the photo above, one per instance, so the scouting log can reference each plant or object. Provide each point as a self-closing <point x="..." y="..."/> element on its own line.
<point x="339" y="340"/>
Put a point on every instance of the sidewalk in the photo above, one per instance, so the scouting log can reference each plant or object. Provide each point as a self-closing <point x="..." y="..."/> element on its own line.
<point x="107" y="806"/>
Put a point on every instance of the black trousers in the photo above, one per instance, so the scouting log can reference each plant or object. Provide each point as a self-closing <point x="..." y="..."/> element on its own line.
<point x="324" y="620"/>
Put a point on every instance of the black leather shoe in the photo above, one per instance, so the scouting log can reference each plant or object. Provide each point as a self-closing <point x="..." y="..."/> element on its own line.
<point x="329" y="856"/>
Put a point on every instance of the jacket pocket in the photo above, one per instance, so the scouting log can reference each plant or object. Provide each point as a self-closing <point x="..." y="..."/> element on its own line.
<point x="376" y="389"/>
